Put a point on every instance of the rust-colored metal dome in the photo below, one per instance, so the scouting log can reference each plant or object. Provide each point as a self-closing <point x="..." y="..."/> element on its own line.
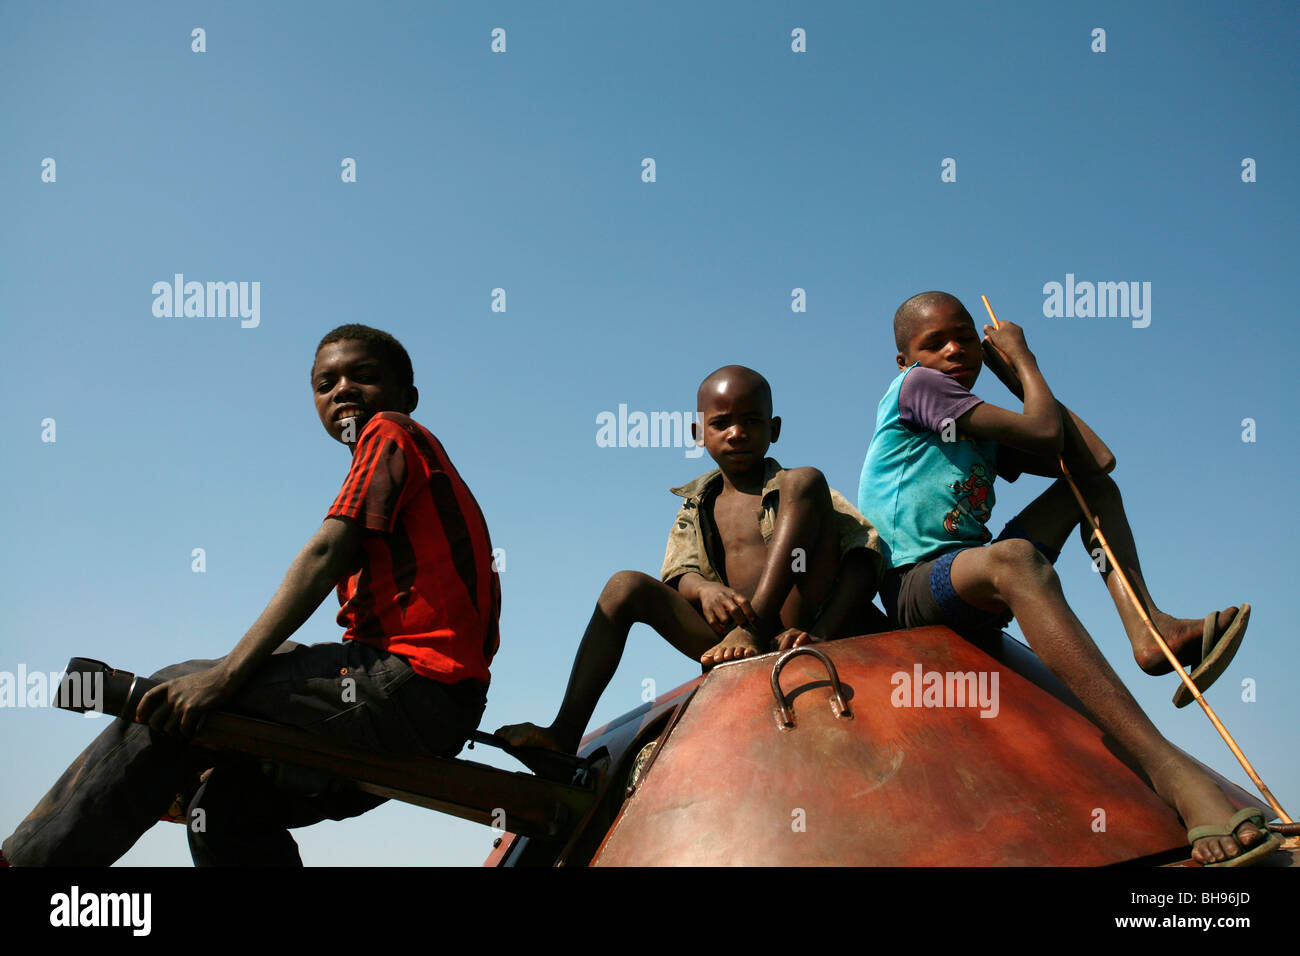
<point x="1018" y="775"/>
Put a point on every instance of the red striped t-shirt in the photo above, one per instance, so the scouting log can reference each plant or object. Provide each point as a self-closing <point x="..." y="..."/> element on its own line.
<point x="427" y="588"/>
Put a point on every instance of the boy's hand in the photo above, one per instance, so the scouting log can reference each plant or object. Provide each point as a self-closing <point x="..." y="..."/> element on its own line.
<point x="997" y="361"/>
<point x="793" y="637"/>
<point x="179" y="705"/>
<point x="724" y="608"/>
<point x="1009" y="340"/>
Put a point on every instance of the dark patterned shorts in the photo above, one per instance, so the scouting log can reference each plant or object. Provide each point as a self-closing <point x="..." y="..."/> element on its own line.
<point x="916" y="595"/>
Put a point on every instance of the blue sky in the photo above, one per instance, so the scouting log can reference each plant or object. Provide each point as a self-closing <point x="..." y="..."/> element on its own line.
<point x="523" y="171"/>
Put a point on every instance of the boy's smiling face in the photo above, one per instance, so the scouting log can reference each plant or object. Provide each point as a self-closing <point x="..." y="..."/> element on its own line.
<point x="351" y="381"/>
<point x="943" y="337"/>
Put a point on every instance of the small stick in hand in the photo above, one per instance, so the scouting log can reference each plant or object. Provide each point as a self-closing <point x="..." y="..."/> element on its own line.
<point x="997" y="361"/>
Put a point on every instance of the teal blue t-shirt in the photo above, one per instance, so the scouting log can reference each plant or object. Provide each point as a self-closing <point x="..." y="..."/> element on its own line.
<point x="926" y="487"/>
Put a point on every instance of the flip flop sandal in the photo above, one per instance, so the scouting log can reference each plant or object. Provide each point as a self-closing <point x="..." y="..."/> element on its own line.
<point x="1215" y="658"/>
<point x="1250" y="856"/>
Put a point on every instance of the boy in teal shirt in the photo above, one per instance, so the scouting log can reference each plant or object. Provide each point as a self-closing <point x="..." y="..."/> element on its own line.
<point x="927" y="486"/>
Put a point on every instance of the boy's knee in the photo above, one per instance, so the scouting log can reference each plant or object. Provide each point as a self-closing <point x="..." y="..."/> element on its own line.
<point x="625" y="590"/>
<point x="1016" y="561"/>
<point x="1097" y="488"/>
<point x="808" y="483"/>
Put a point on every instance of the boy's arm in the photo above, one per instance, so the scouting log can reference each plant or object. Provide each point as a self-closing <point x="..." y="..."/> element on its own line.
<point x="723" y="607"/>
<point x="1085" y="452"/>
<point x="330" y="554"/>
<point x="688" y="586"/>
<point x="1037" y="429"/>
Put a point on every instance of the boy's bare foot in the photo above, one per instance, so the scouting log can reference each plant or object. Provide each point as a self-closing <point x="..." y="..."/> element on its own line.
<point x="1183" y="635"/>
<point x="1199" y="802"/>
<point x="737" y="645"/>
<point x="530" y="735"/>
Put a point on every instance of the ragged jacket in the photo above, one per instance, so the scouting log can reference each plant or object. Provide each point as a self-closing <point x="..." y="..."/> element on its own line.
<point x="690" y="546"/>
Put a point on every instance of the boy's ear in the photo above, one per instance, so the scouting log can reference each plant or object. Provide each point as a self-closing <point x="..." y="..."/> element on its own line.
<point x="776" y="428"/>
<point x="411" y="398"/>
<point x="902" y="361"/>
<point x="695" y="429"/>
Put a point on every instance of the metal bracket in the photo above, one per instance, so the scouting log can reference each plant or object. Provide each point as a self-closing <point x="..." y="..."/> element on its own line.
<point x="839" y="707"/>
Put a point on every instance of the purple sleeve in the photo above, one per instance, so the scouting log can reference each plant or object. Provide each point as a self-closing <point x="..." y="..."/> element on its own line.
<point x="928" y="398"/>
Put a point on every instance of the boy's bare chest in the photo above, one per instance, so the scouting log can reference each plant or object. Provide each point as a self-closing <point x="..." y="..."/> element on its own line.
<point x="736" y="518"/>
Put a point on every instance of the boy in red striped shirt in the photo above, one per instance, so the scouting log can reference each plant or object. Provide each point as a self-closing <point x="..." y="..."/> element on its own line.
<point x="407" y="549"/>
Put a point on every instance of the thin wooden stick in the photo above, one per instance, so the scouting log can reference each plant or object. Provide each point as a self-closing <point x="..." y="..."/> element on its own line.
<point x="1160" y="641"/>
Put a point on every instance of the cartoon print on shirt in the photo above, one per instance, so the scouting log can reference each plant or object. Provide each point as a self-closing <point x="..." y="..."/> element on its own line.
<point x="972" y="499"/>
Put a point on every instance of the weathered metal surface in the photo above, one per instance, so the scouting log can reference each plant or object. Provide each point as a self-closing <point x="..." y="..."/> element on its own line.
<point x="617" y="736"/>
<point x="895" y="784"/>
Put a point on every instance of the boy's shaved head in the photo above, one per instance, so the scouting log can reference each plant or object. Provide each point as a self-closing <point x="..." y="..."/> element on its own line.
<point x="911" y="310"/>
<point x="733" y="380"/>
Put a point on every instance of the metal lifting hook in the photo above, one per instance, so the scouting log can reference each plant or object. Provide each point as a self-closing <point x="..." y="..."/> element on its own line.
<point x="838" y="704"/>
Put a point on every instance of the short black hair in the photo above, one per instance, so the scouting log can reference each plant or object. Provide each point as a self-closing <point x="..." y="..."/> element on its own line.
<point x="907" y="314"/>
<point x="390" y="350"/>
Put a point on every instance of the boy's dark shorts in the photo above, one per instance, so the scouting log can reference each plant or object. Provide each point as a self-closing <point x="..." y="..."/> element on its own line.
<point x="916" y="595"/>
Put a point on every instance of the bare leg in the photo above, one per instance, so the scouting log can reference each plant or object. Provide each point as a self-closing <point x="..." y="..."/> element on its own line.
<point x="847" y="611"/>
<point x="803" y="556"/>
<point x="798" y="570"/>
<point x="1053" y="515"/>
<point x="1013" y="574"/>
<point x="629" y="597"/>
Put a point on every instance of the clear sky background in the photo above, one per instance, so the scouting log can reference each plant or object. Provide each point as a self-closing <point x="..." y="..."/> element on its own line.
<point x="522" y="171"/>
